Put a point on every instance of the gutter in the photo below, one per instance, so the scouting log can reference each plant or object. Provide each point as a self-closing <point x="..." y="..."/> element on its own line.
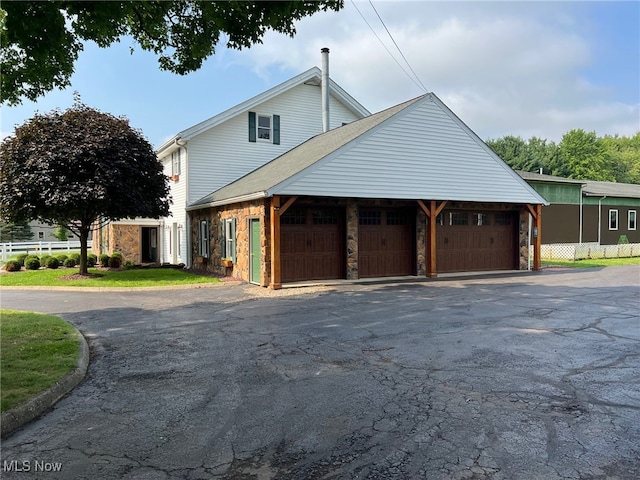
<point x="227" y="201"/>
<point x="600" y="218"/>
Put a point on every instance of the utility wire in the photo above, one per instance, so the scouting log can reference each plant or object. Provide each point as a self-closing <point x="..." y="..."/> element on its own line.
<point x="394" y="42"/>
<point x="388" y="51"/>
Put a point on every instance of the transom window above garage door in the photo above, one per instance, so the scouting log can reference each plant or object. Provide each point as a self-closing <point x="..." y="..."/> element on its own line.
<point x="325" y="217"/>
<point x="481" y="219"/>
<point x="370" y="217"/>
<point x="458" y="218"/>
<point x="398" y="218"/>
<point x="294" y="216"/>
<point x="503" y="218"/>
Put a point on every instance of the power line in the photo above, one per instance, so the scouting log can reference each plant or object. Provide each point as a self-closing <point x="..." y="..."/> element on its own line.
<point x="394" y="42"/>
<point x="418" y="83"/>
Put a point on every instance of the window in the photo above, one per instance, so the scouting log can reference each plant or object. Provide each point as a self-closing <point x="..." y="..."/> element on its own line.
<point x="228" y="239"/>
<point x="265" y="128"/>
<point x="481" y="219"/>
<point x="175" y="163"/>
<point x="40" y="235"/>
<point x="294" y="216"/>
<point x="203" y="238"/>
<point x="369" y="217"/>
<point x="458" y="218"/>
<point x="398" y="218"/>
<point x="613" y="219"/>
<point x="503" y="218"/>
<point x="324" y="217"/>
<point x="631" y="220"/>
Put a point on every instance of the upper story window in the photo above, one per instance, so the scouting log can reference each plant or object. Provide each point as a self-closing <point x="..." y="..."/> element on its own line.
<point x="631" y="220"/>
<point x="613" y="219"/>
<point x="175" y="163"/>
<point x="264" y="128"/>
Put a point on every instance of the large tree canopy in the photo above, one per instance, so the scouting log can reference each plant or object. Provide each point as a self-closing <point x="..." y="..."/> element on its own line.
<point x="581" y="155"/>
<point x="41" y="40"/>
<point x="79" y="167"/>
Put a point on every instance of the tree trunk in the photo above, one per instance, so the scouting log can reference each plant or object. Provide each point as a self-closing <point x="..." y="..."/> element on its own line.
<point x="84" y="237"/>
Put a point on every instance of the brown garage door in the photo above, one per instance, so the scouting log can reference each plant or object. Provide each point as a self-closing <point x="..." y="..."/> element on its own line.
<point x="476" y="241"/>
<point x="312" y="244"/>
<point x="386" y="242"/>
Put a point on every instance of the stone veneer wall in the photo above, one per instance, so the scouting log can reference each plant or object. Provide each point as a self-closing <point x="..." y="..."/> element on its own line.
<point x="242" y="213"/>
<point x="523" y="236"/>
<point x="126" y="240"/>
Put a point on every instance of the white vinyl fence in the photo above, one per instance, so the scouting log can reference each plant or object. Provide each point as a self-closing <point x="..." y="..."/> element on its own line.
<point x="38" y="248"/>
<point x="582" y="251"/>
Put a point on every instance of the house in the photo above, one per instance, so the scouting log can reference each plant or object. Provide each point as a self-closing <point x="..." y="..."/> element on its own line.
<point x="410" y="190"/>
<point x="585" y="211"/>
<point x="223" y="148"/>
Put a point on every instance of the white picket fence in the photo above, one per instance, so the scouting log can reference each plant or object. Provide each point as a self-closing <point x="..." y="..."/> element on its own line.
<point x="16" y="248"/>
<point x="583" y="251"/>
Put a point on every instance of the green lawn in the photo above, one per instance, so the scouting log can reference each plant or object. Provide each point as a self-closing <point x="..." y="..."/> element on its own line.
<point x="37" y="350"/>
<point x="602" y="262"/>
<point x="151" y="277"/>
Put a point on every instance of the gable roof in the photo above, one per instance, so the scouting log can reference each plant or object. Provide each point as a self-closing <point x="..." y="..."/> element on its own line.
<point x="442" y="159"/>
<point x="313" y="76"/>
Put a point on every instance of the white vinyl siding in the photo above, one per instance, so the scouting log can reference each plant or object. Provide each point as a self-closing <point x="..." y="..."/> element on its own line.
<point x="425" y="153"/>
<point x="178" y="213"/>
<point x="223" y="154"/>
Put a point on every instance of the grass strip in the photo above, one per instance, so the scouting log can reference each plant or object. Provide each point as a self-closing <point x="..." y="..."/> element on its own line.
<point x="36" y="351"/>
<point x="591" y="263"/>
<point x="151" y="277"/>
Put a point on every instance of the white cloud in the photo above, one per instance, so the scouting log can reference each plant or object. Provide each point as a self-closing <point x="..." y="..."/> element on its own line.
<point x="504" y="68"/>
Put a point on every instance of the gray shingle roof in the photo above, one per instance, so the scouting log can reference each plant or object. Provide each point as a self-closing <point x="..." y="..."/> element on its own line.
<point x="541" y="177"/>
<point x="611" y="189"/>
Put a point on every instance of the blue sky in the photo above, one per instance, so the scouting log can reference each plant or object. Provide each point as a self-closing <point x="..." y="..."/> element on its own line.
<point x="505" y="68"/>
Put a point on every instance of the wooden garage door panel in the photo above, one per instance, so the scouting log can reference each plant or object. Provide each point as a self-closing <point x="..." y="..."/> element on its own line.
<point x="474" y="245"/>
<point x="313" y="247"/>
<point x="385" y="243"/>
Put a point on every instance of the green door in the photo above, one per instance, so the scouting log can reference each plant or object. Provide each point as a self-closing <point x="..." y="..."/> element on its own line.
<point x="254" y="253"/>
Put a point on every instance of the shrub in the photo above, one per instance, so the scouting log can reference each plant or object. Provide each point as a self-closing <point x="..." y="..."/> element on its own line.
<point x="104" y="260"/>
<point x="116" y="260"/>
<point x="70" y="262"/>
<point x="129" y="264"/>
<point x="76" y="257"/>
<point x="20" y="258"/>
<point x="43" y="259"/>
<point x="30" y="257"/>
<point x="12" y="266"/>
<point x="52" y="263"/>
<point x="91" y="260"/>
<point x="61" y="258"/>
<point x="32" y="263"/>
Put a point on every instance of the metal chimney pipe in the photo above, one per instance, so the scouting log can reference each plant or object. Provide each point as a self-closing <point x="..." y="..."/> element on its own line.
<point x="325" y="89"/>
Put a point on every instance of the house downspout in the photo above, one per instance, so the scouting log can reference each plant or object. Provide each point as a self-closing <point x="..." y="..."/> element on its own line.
<point x="600" y="218"/>
<point x="580" y="221"/>
<point x="325" y="89"/>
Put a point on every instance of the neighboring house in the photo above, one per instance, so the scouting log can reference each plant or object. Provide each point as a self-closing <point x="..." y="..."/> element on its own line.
<point x="583" y="211"/>
<point x="410" y="190"/>
<point x="222" y="149"/>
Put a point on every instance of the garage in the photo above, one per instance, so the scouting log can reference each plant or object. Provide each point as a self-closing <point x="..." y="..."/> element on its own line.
<point x="312" y="244"/>
<point x="386" y="242"/>
<point x="476" y="241"/>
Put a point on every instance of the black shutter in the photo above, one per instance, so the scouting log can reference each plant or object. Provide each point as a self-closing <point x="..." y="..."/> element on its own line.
<point x="252" y="126"/>
<point x="276" y="129"/>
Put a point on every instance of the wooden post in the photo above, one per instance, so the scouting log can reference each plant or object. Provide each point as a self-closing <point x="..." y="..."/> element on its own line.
<point x="537" y="240"/>
<point x="276" y="275"/>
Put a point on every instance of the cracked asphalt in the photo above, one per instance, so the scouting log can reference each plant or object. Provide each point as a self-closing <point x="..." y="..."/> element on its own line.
<point x="522" y="377"/>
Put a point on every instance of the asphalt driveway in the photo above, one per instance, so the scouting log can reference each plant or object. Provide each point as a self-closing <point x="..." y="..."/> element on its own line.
<point x="524" y="377"/>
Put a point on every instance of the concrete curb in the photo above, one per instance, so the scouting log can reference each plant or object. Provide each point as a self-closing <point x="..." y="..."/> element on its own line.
<point x="34" y="407"/>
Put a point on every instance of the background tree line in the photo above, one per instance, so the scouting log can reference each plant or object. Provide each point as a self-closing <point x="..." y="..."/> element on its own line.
<point x="581" y="155"/>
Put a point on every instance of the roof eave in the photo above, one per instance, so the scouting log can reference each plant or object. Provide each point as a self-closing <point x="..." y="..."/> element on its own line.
<point x="227" y="201"/>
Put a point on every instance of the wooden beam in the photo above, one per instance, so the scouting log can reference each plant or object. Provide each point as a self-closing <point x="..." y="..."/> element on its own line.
<point x="287" y="204"/>
<point x="276" y="274"/>
<point x="440" y="207"/>
<point x="424" y="208"/>
<point x="532" y="211"/>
